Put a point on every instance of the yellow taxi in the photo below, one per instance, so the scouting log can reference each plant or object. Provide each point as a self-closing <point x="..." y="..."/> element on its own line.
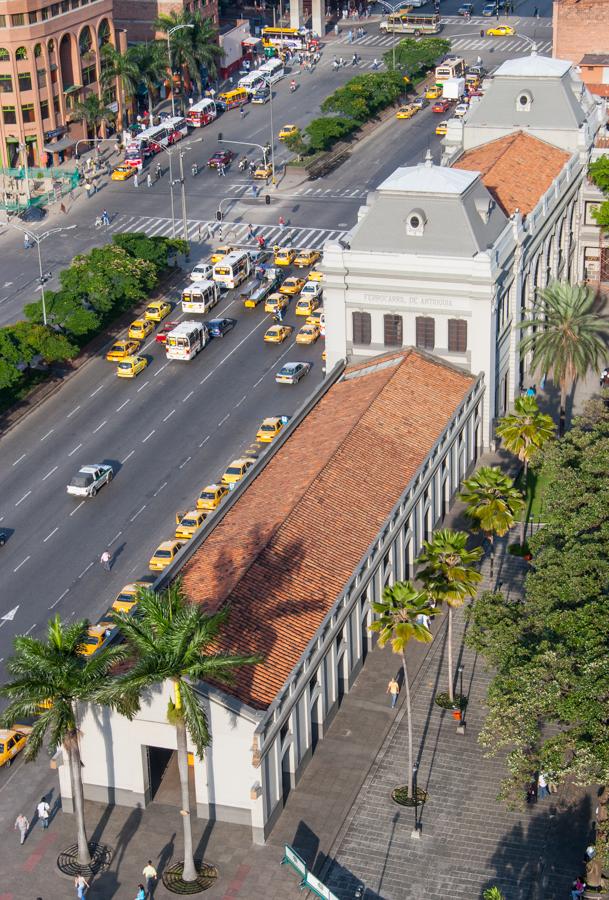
<point x="315" y="275"/>
<point x="308" y="334"/>
<point x="121" y="349"/>
<point x="123" y="172"/>
<point x="157" y="310"/>
<point x="95" y="637"/>
<point x="316" y="317"/>
<point x="433" y="93"/>
<point x="188" y="523"/>
<point x="306" y="258"/>
<point x="12" y="742"/>
<point x="277" y="334"/>
<point x="212" y="496"/>
<point x="442" y="127"/>
<point x="276" y="302"/>
<point x="131" y="366"/>
<point x="164" y="555"/>
<point x="269" y="429"/>
<point x="306" y="305"/>
<point x="263" y="172"/>
<point x="126" y="598"/>
<point x="287" y="131"/>
<point x="500" y="31"/>
<point x="219" y="253"/>
<point x="292" y="286"/>
<point x="237" y="470"/>
<point x="140" y="329"/>
<point x="407" y="112"/>
<point x="284" y="256"/>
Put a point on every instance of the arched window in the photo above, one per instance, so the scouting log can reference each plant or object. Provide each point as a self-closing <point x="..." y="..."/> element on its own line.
<point x="38" y="51"/>
<point x="4" y="54"/>
<point x="85" y="41"/>
<point x="21" y="53"/>
<point x="103" y="33"/>
<point x="51" y="46"/>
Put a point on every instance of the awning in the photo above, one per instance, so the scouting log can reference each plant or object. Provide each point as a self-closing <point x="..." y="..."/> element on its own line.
<point x="58" y="146"/>
<point x="250" y="41"/>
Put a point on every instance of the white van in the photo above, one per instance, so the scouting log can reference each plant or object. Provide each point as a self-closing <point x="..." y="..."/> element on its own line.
<point x="200" y="296"/>
<point x="233" y="269"/>
<point x="272" y="70"/>
<point x="252" y="82"/>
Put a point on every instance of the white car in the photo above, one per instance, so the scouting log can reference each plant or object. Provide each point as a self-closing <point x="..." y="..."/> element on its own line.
<point x="460" y="110"/>
<point x="202" y="272"/>
<point x="312" y="289"/>
<point x="89" y="479"/>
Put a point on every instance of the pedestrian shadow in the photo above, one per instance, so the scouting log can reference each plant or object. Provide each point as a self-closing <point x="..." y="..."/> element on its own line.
<point x="166" y="854"/>
<point x="127" y="832"/>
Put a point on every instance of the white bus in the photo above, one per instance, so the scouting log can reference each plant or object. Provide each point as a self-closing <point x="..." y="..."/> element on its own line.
<point x="177" y="128"/>
<point x="233" y="269"/>
<point x="252" y="82"/>
<point x="272" y="70"/>
<point x="411" y="23"/>
<point x="200" y="296"/>
<point x="185" y="341"/>
<point x="202" y="113"/>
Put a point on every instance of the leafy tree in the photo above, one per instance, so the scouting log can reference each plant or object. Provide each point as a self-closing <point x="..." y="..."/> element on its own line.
<point x="398" y="624"/>
<point x="52" y="345"/>
<point x="94" y="112"/>
<point x="598" y="173"/>
<point x="449" y="577"/>
<point x="524" y="432"/>
<point x="567" y="336"/>
<point x="49" y="679"/>
<point x="492" y="503"/>
<point x="9" y="373"/>
<point x="66" y="311"/>
<point x="172" y="639"/>
<point x="154" y="250"/>
<point x="191" y="48"/>
<point x="151" y="61"/>
<point x="416" y="56"/>
<point x="296" y="144"/>
<point x="123" y="68"/>
<point x="493" y="893"/>
<point x="326" y="131"/>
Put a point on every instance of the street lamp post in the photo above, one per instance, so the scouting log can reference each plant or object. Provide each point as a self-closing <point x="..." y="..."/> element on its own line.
<point x="183" y="192"/>
<point x="173" y="218"/>
<point x="38" y="239"/>
<point x="415" y="833"/>
<point x="169" y="33"/>
<point x="392" y="7"/>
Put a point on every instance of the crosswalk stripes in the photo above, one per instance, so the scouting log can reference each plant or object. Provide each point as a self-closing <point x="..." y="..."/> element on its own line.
<point x="486" y="43"/>
<point x="311" y="238"/>
<point x="475" y="42"/>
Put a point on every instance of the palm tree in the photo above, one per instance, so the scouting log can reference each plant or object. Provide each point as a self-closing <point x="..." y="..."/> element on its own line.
<point x="121" y="67"/>
<point x="449" y="577"/>
<point x="567" y="338"/>
<point x="151" y="61"/>
<point x="524" y="432"/>
<point x="50" y="678"/>
<point x="191" y="48"/>
<point x="94" y="112"/>
<point x="492" y="503"/>
<point x="176" y="640"/>
<point x="399" y="611"/>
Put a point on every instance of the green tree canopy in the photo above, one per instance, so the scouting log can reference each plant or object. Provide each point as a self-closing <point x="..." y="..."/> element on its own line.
<point x="416" y="56"/>
<point x="492" y="503"/>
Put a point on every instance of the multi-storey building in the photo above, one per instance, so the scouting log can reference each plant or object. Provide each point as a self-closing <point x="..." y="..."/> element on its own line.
<point x="581" y="34"/>
<point x="137" y="17"/>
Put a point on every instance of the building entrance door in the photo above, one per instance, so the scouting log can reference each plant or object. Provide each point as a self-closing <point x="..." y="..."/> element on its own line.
<point x="158" y="761"/>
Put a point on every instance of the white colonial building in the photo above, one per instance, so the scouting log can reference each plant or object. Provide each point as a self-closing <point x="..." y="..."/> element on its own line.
<point x="448" y="258"/>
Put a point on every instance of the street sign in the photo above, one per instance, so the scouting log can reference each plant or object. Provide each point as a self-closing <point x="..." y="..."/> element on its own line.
<point x="319" y="887"/>
<point x="293" y="859"/>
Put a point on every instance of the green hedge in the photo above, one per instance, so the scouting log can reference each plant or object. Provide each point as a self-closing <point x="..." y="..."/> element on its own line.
<point x="95" y="289"/>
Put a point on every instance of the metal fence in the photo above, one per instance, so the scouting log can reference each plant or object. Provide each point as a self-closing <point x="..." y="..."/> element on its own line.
<point x="62" y="182"/>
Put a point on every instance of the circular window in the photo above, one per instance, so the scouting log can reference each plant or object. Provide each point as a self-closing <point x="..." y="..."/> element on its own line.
<point x="523" y="99"/>
<point x="414" y="222"/>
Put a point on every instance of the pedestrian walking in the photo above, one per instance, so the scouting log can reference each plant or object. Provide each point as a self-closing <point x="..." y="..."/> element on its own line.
<point x="105" y="560"/>
<point x="281" y="222"/>
<point x="531" y="391"/>
<point x="43" y="809"/>
<point x="250" y="233"/>
<point x="393" y="689"/>
<point x="22" y="824"/>
<point x="150" y="877"/>
<point x="242" y="112"/>
<point x="26" y="242"/>
<point x="149" y="180"/>
<point x="81" y="886"/>
<point x="578" y="889"/>
<point x="221" y="172"/>
<point x="105" y="217"/>
<point x="135" y="180"/>
<point x="336" y="30"/>
<point x="141" y="892"/>
<point x="542" y="785"/>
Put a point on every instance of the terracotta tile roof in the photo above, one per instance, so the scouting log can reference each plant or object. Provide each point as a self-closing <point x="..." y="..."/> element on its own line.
<point x="517" y="169"/>
<point x="285" y="551"/>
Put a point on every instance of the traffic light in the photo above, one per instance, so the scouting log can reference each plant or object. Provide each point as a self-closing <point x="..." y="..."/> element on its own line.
<point x="218" y="215"/>
<point x="219" y="135"/>
<point x="267" y="199"/>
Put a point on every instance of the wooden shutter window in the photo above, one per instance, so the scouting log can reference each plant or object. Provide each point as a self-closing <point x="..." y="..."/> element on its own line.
<point x="426" y="332"/>
<point x="362" y="329"/>
<point x="457" y="335"/>
<point x="393" y="330"/>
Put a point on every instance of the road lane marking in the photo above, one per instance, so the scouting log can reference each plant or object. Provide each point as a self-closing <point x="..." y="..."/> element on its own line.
<point x="240" y="401"/>
<point x="72" y="452"/>
<point x="44" y="437"/>
<point x="60" y="598"/>
<point x="235" y="348"/>
<point x="54" y="469"/>
<point x="19" y="460"/>
<point x="148" y="436"/>
<point x="22" y="563"/>
<point x="188" y="458"/>
<point x="123" y="404"/>
<point x="99" y="427"/>
<point x="169" y="415"/>
<point x="50" y="535"/>
<point x="31" y="628"/>
<point x="134" y="517"/>
<point x="96" y="391"/>
<point x="115" y="538"/>
<point x="84" y="571"/>
<point x="23" y="498"/>
<point x="129" y="455"/>
<point x="76" y="508"/>
<point x="187" y="397"/>
<point x="204" y="441"/>
<point x="222" y="421"/>
<point x="158" y="371"/>
<point x="76" y="408"/>
<point x="158" y="490"/>
<point x="142" y="386"/>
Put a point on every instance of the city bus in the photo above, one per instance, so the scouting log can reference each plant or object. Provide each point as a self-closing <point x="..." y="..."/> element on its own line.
<point x="233" y="269"/>
<point x="293" y="38"/>
<point x="411" y="23"/>
<point x="272" y="70"/>
<point x="251" y="82"/>
<point x="186" y="340"/>
<point x="452" y="67"/>
<point x="202" y="113"/>
<point x="200" y="296"/>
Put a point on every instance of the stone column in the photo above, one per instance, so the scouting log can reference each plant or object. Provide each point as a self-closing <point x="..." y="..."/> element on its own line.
<point x="296" y="17"/>
<point x="318" y="17"/>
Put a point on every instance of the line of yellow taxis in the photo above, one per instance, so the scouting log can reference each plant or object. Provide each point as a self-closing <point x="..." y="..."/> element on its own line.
<point x="124" y="351"/>
<point x="308" y="290"/>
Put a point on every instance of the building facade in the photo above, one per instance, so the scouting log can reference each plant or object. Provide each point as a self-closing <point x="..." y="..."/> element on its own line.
<point x="137" y="17"/>
<point x="449" y="258"/>
<point x="581" y="35"/>
<point x="328" y="517"/>
<point x="49" y="59"/>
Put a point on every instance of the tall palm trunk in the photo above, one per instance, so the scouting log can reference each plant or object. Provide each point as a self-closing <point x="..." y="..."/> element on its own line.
<point x="523" y="524"/>
<point x="73" y="751"/>
<point x="451" y="693"/>
<point x="491" y="538"/>
<point x="409" y="721"/>
<point x="189" y="873"/>
<point x="562" y="415"/>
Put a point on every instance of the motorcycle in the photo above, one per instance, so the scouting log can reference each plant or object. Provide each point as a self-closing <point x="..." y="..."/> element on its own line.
<point x="194" y="169"/>
<point x="293" y="86"/>
<point x="243" y="164"/>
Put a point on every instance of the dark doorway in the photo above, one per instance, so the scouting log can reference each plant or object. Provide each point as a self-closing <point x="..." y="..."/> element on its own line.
<point x="365" y="638"/>
<point x="342" y="677"/>
<point x="286" y="777"/>
<point x="314" y="725"/>
<point x="158" y="760"/>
